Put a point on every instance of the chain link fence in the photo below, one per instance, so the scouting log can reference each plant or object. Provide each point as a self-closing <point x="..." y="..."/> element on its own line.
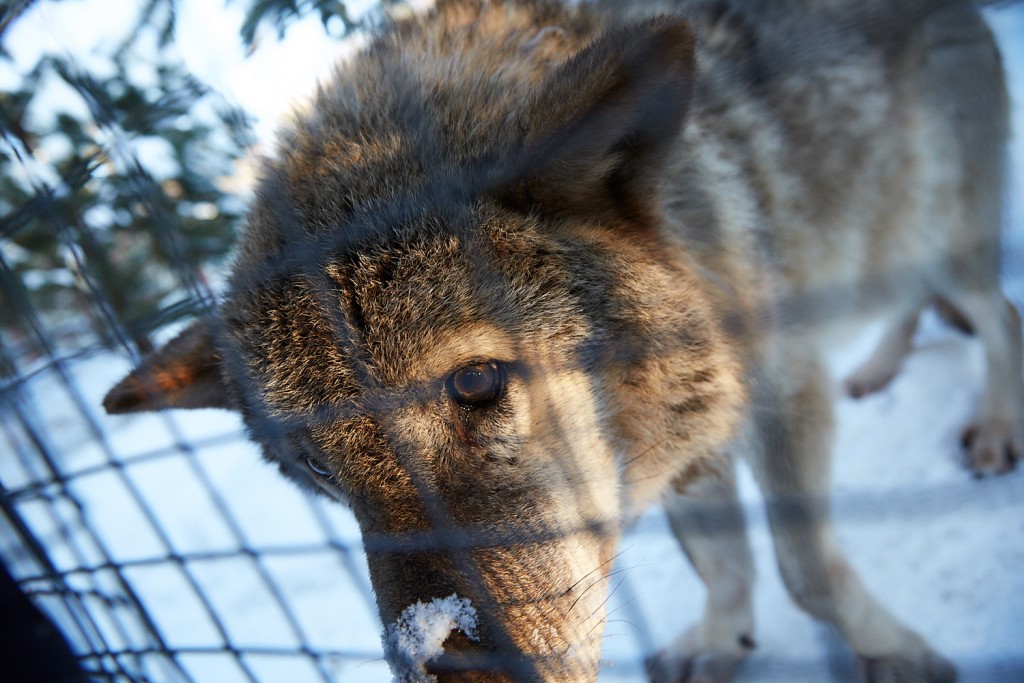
<point x="166" y="550"/>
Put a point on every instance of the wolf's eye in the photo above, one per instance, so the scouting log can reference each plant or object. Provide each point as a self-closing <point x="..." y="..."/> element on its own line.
<point x="477" y="385"/>
<point x="317" y="468"/>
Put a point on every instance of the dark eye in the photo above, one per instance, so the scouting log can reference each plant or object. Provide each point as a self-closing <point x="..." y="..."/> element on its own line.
<point x="317" y="468"/>
<point x="477" y="385"/>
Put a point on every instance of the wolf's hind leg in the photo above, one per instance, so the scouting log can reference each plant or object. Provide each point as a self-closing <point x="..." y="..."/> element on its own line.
<point x="878" y="370"/>
<point x="708" y="522"/>
<point x="882" y="366"/>
<point x="963" y="108"/>
<point x="995" y="441"/>
<point x="791" y="460"/>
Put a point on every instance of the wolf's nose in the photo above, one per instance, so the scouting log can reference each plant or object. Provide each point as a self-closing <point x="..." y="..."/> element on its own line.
<point x="467" y="661"/>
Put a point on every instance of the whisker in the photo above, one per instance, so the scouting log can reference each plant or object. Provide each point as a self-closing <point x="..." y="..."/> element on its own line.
<point x="598" y="567"/>
<point x="601" y="622"/>
<point x="646" y="451"/>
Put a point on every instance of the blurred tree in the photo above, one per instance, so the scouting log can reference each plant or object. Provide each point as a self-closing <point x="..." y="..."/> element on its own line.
<point x="109" y="204"/>
<point x="110" y="200"/>
<point x="335" y="15"/>
<point x="281" y="12"/>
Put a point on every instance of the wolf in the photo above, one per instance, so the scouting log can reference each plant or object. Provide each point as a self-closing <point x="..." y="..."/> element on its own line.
<point x="523" y="269"/>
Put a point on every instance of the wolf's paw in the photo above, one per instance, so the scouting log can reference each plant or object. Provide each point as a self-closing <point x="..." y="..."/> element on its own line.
<point x="868" y="380"/>
<point x="692" y="660"/>
<point x="993" y="447"/>
<point x="673" y="667"/>
<point x="927" y="668"/>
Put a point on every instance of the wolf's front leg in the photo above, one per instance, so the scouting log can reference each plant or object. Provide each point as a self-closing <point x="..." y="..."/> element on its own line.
<point x="706" y="518"/>
<point x="792" y="431"/>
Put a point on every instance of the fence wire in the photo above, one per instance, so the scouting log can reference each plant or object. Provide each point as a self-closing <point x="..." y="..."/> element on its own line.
<point x="166" y="550"/>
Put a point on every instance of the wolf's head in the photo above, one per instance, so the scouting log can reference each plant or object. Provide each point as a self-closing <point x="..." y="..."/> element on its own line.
<point x="455" y="307"/>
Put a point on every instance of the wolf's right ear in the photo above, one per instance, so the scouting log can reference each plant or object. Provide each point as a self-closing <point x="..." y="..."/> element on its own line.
<point x="601" y="127"/>
<point x="186" y="373"/>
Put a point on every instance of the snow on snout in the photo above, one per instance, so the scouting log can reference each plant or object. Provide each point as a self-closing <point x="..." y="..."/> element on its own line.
<point x="418" y="635"/>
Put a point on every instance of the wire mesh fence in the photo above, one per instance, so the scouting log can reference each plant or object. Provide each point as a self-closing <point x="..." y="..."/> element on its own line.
<point x="166" y="549"/>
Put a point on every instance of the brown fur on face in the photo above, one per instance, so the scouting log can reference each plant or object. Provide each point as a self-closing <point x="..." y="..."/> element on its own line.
<point x="646" y="234"/>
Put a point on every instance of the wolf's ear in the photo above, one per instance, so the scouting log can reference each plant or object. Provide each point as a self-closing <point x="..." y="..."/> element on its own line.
<point x="601" y="127"/>
<point x="183" y="374"/>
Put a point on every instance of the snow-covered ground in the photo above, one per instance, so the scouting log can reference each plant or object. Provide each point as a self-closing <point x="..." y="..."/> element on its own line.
<point x="203" y="526"/>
